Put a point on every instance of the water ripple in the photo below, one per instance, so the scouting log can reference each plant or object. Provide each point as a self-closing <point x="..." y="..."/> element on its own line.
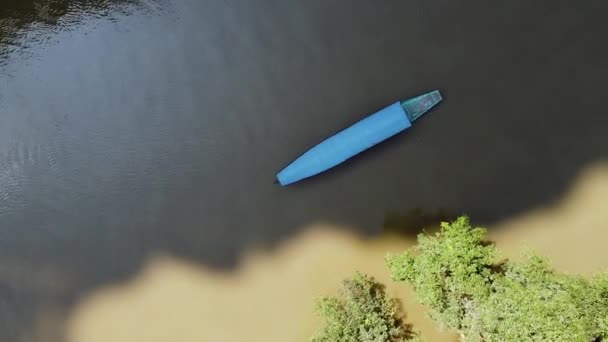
<point x="24" y="23"/>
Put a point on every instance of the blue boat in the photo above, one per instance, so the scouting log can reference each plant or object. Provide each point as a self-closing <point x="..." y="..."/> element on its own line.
<point x="359" y="137"/>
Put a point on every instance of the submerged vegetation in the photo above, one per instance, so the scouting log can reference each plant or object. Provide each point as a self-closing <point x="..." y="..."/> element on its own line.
<point x="457" y="274"/>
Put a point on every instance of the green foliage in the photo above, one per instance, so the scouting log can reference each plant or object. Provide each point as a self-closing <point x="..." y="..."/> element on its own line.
<point x="455" y="273"/>
<point x="362" y="313"/>
<point x="530" y="302"/>
<point x="450" y="274"/>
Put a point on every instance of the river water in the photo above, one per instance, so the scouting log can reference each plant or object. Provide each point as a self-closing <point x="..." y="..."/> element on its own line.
<point x="134" y="127"/>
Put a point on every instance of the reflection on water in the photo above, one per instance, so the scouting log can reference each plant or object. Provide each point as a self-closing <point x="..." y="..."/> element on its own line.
<point x="24" y="23"/>
<point x="412" y="221"/>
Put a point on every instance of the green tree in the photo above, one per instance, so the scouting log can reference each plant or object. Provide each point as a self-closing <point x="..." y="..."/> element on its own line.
<point x="362" y="313"/>
<point x="456" y="274"/>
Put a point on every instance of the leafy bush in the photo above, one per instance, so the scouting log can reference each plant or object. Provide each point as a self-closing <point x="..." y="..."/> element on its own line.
<point x="362" y="313"/>
<point x="456" y="274"/>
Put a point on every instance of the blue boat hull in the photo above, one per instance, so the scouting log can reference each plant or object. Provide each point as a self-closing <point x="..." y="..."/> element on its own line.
<point x="347" y="143"/>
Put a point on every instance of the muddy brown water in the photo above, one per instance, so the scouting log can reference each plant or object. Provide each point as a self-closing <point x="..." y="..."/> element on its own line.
<point x="270" y="297"/>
